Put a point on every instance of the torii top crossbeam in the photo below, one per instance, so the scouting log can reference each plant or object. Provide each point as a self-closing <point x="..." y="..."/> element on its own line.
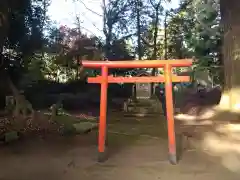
<point x="136" y="64"/>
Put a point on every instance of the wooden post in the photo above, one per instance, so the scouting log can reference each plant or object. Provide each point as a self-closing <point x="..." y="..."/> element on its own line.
<point x="170" y="116"/>
<point x="103" y="116"/>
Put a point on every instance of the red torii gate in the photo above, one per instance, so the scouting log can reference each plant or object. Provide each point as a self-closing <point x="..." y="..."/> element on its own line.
<point x="168" y="78"/>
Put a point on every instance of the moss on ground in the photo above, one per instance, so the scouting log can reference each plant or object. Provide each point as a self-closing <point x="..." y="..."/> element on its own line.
<point x="124" y="131"/>
<point x="72" y="125"/>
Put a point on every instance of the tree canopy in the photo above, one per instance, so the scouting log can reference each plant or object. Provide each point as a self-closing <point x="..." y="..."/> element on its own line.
<point x="36" y="48"/>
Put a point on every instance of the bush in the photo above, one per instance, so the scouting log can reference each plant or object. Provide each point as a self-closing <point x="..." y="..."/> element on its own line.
<point x="74" y="94"/>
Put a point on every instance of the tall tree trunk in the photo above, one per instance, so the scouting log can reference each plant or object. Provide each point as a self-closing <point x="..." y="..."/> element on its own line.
<point x="139" y="45"/>
<point x="230" y="14"/>
<point x="155" y="48"/>
<point x="3" y="24"/>
<point x="138" y="31"/>
<point x="21" y="104"/>
<point x="107" y="30"/>
<point x="3" y="36"/>
<point x="165" y="37"/>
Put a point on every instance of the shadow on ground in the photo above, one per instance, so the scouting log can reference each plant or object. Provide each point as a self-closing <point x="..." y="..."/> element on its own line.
<point x="137" y="147"/>
<point x="217" y="135"/>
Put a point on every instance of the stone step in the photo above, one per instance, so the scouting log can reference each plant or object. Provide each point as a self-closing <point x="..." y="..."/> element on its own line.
<point x="144" y="105"/>
<point x="84" y="127"/>
<point x="141" y="115"/>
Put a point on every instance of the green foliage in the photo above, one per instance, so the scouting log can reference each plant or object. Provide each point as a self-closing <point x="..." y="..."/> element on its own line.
<point x="11" y="136"/>
<point x="194" y="31"/>
<point x="21" y="34"/>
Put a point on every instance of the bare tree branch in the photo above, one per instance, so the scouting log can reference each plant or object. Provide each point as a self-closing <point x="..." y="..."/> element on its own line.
<point x="126" y="37"/>
<point x="104" y="17"/>
<point x="89" y="8"/>
<point x="154" y="5"/>
<point x="92" y="23"/>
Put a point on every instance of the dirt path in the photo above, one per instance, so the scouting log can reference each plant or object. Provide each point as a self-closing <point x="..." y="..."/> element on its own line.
<point x="64" y="159"/>
<point x="137" y="150"/>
